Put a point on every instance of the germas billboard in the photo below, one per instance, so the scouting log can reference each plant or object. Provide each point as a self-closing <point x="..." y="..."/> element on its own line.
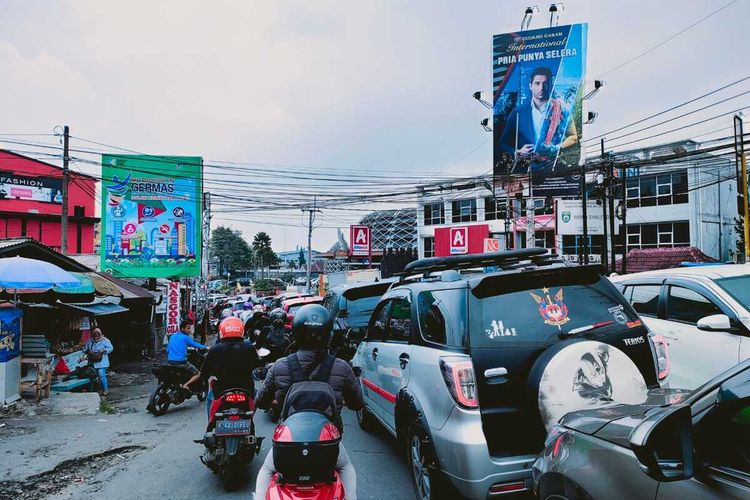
<point x="151" y="215"/>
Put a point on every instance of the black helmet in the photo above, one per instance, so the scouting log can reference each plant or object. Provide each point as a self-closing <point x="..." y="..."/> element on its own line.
<point x="279" y="315"/>
<point x="311" y="326"/>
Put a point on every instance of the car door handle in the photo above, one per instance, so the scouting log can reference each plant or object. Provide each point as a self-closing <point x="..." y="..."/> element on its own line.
<point x="374" y="354"/>
<point x="496" y="372"/>
<point x="403" y="360"/>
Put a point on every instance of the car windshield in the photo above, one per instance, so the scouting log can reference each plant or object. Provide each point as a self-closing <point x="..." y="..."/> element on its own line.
<point x="738" y="287"/>
<point x="293" y="309"/>
<point x="538" y="308"/>
<point x="359" y="311"/>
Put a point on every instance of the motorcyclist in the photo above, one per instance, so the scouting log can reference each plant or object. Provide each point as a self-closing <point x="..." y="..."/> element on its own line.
<point x="247" y="311"/>
<point x="256" y="323"/>
<point x="276" y="337"/>
<point x="311" y="330"/>
<point x="177" y="353"/>
<point x="231" y="361"/>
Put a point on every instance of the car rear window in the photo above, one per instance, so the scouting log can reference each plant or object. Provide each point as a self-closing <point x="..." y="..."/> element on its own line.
<point x="537" y="308"/>
<point x="442" y="316"/>
<point x="359" y="311"/>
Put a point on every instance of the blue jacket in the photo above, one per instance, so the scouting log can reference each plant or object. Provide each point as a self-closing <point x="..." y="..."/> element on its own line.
<point x="178" y="344"/>
<point x="100" y="345"/>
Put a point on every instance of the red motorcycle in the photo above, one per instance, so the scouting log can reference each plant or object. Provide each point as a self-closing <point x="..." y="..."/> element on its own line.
<point x="305" y="451"/>
<point x="230" y="442"/>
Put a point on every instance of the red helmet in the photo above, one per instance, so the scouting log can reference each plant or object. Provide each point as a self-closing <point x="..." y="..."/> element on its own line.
<point x="231" y="327"/>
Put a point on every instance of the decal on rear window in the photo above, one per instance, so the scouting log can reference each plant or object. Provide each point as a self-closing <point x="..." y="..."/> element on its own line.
<point x="498" y="330"/>
<point x="553" y="312"/>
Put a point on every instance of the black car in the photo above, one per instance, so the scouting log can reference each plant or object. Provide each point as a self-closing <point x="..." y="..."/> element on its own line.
<point x="351" y="306"/>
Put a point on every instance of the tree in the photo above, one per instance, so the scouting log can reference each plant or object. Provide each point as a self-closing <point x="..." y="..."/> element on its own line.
<point x="264" y="254"/>
<point x="739" y="229"/>
<point x="231" y="249"/>
<point x="302" y="261"/>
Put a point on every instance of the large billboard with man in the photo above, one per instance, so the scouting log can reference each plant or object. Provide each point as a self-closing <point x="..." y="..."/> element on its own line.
<point x="538" y="83"/>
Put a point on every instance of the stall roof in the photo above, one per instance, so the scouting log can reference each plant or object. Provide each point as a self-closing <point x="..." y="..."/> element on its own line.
<point x="129" y="290"/>
<point x="97" y="308"/>
<point x="104" y="286"/>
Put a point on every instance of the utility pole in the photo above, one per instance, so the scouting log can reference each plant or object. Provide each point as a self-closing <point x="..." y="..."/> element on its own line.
<point x="585" y="213"/>
<point x="624" y="225"/>
<point x="739" y="147"/>
<point x="311" y="211"/>
<point x="65" y="181"/>
<point x="205" y="267"/>
<point x="607" y="234"/>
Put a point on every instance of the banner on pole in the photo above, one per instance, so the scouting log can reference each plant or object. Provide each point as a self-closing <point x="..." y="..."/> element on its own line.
<point x="151" y="216"/>
<point x="173" y="307"/>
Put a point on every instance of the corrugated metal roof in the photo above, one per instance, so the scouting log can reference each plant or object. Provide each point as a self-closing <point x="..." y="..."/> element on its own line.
<point x="129" y="290"/>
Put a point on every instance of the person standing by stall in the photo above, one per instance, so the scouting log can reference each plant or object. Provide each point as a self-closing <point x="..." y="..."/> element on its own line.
<point x="97" y="351"/>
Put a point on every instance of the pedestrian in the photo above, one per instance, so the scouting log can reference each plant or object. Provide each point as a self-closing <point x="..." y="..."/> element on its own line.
<point x="97" y="351"/>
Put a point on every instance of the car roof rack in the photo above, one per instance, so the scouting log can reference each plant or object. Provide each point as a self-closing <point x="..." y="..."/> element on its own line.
<point x="510" y="259"/>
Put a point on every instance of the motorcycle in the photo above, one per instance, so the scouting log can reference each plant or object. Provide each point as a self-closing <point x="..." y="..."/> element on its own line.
<point x="305" y="451"/>
<point x="169" y="390"/>
<point x="231" y="443"/>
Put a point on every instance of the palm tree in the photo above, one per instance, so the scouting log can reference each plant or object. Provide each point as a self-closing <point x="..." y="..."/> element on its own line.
<point x="262" y="248"/>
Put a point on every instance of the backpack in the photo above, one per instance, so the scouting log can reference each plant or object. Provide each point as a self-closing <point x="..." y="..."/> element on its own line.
<point x="310" y="394"/>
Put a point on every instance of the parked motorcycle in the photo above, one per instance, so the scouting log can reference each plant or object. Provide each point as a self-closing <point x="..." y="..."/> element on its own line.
<point x="231" y="443"/>
<point x="169" y="390"/>
<point x="305" y="451"/>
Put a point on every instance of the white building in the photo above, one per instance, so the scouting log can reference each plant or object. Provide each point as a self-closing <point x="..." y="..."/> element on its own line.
<point x="690" y="202"/>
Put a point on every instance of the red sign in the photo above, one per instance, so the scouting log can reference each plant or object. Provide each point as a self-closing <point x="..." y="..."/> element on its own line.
<point x="459" y="240"/>
<point x="130" y="228"/>
<point x="491" y="245"/>
<point x="173" y="307"/>
<point x="164" y="229"/>
<point x="360" y="241"/>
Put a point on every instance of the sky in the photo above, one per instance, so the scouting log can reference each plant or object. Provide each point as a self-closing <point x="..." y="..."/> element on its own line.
<point x="381" y="87"/>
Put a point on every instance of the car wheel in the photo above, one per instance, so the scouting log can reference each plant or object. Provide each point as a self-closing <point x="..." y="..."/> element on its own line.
<point x="366" y="420"/>
<point x="427" y="479"/>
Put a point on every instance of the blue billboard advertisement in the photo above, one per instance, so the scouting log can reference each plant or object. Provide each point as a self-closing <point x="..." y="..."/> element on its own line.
<point x="538" y="83"/>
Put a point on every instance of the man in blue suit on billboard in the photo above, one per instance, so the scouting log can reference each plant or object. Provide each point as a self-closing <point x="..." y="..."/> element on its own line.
<point x="541" y="125"/>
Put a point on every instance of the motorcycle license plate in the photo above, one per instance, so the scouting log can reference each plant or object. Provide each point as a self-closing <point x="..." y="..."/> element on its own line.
<point x="232" y="427"/>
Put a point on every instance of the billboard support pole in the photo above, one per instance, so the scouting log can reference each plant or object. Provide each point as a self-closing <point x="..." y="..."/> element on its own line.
<point x="605" y="240"/>
<point x="584" y="209"/>
<point x="624" y="225"/>
<point x="612" y="216"/>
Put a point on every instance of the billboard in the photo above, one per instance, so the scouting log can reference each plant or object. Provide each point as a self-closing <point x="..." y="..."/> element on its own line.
<point x="460" y="240"/>
<point x="19" y="187"/>
<point x="151" y="215"/>
<point x="361" y="242"/>
<point x="10" y="333"/>
<point x="538" y="84"/>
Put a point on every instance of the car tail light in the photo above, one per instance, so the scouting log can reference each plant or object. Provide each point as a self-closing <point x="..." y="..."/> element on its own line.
<point x="282" y="434"/>
<point x="661" y="347"/>
<point x="235" y="397"/>
<point x="500" y="488"/>
<point x="458" y="374"/>
<point x="329" y="433"/>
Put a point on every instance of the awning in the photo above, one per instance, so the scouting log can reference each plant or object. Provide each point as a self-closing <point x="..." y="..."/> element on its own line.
<point x="97" y="308"/>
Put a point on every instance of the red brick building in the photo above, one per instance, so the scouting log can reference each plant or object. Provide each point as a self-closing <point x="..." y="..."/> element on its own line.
<point x="31" y="203"/>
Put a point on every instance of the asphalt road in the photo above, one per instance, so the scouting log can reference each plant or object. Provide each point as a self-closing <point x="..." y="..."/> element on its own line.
<point x="170" y="467"/>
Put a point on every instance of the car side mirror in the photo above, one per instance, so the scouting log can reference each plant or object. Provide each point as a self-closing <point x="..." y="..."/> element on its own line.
<point x="663" y="444"/>
<point x="716" y="323"/>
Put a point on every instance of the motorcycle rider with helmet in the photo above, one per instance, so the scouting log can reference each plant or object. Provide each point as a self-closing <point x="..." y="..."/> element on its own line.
<point x="311" y="331"/>
<point x="256" y="323"/>
<point x="275" y="337"/>
<point x="231" y="361"/>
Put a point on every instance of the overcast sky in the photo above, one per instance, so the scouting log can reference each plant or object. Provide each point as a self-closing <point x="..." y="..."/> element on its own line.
<point x="377" y="86"/>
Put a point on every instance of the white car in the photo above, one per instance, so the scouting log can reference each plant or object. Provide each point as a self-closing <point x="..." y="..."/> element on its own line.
<point x="703" y="312"/>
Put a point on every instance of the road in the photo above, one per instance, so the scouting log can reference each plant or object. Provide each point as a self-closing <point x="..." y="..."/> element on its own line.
<point x="169" y="467"/>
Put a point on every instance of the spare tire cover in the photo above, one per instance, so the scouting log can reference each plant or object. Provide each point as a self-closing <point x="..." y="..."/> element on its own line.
<point x="586" y="374"/>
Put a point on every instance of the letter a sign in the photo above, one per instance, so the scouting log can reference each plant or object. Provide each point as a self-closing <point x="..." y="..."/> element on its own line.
<point x="360" y="244"/>
<point x="459" y="240"/>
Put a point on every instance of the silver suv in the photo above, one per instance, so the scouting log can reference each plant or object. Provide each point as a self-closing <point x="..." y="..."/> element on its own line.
<point x="468" y="371"/>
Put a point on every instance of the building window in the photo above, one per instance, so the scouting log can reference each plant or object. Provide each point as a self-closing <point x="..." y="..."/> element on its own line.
<point x="434" y="213"/>
<point x="658" y="189"/>
<point x="494" y="211"/>
<point x="663" y="235"/>
<point x="541" y="206"/>
<point x="429" y="246"/>
<point x="465" y="210"/>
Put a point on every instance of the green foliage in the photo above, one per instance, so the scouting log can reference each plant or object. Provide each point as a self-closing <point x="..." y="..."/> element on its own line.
<point x="301" y="259"/>
<point x="264" y="254"/>
<point x="231" y="249"/>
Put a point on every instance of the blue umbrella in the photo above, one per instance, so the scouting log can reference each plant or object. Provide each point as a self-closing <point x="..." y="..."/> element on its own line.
<point x="20" y="272"/>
